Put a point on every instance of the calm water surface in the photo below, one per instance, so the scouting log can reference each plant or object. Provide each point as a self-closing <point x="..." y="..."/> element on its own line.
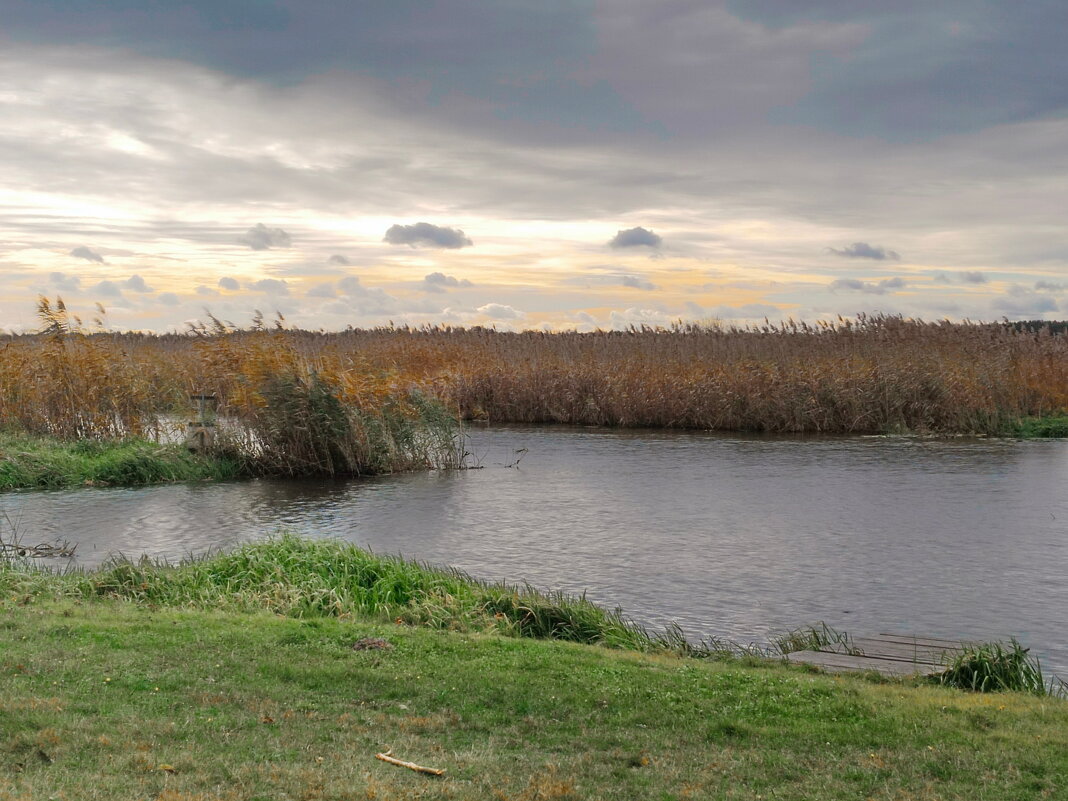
<point x="729" y="536"/>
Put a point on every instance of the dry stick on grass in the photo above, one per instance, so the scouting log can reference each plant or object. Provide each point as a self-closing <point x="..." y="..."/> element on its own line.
<point x="392" y="760"/>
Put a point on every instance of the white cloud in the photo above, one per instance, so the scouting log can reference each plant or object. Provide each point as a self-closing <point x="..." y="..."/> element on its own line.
<point x="499" y="311"/>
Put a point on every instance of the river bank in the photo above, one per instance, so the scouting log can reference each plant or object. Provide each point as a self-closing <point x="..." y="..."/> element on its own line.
<point x="30" y="461"/>
<point x="144" y="682"/>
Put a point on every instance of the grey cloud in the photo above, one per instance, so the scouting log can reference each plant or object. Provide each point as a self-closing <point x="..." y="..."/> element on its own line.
<point x="108" y="289"/>
<point x="439" y="282"/>
<point x="260" y="237"/>
<point x="82" y="252"/>
<point x="270" y="286"/>
<point x="968" y="65"/>
<point x="206" y="290"/>
<point x="168" y="299"/>
<point x="229" y="283"/>
<point x="69" y="283"/>
<point x="747" y="311"/>
<point x="136" y="283"/>
<point x="322" y="291"/>
<point x="963" y="277"/>
<point x="1050" y="286"/>
<point x="424" y="234"/>
<point x="870" y="287"/>
<point x="862" y="250"/>
<point x="636" y="282"/>
<point x="350" y="285"/>
<point x="338" y="258"/>
<point x="619" y="279"/>
<point x="635" y="238"/>
<point x="1024" y="306"/>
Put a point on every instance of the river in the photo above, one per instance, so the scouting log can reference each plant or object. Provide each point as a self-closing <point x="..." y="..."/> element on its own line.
<point x="732" y="536"/>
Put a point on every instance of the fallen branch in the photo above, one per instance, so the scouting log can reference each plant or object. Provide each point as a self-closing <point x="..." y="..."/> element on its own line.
<point x="392" y="760"/>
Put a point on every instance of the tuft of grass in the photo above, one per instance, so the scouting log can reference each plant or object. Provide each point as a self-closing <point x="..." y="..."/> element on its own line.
<point x="44" y="462"/>
<point x="809" y="638"/>
<point x="998" y="667"/>
<point x="1040" y="427"/>
<point x="315" y="578"/>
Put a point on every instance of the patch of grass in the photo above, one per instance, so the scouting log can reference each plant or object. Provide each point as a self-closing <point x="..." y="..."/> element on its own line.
<point x="998" y="667"/>
<point x="106" y="699"/>
<point x="1040" y="427"/>
<point x="33" y="461"/>
<point x="317" y="578"/>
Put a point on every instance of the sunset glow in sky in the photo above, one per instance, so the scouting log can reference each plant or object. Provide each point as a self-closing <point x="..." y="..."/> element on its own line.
<point x="533" y="163"/>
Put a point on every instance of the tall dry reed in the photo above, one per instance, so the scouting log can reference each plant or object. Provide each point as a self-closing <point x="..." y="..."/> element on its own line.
<point x="869" y="375"/>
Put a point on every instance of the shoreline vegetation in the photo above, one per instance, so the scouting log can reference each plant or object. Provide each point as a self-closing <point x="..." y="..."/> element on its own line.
<point x="297" y="403"/>
<point x="279" y="670"/>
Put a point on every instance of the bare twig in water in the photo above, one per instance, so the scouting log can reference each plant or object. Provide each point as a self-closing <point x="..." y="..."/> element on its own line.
<point x="519" y="454"/>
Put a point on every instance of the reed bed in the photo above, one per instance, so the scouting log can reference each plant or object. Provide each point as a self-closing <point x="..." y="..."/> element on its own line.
<point x="368" y="400"/>
<point x="281" y="409"/>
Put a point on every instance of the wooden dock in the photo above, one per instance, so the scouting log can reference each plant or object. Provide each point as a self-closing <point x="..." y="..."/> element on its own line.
<point x="889" y="654"/>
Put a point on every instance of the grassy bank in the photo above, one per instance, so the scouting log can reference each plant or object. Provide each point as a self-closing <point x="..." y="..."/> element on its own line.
<point x="28" y="461"/>
<point x="107" y="699"/>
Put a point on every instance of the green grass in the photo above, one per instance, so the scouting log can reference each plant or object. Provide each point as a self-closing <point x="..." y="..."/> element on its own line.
<point x="1040" y="427"/>
<point x="315" y="578"/>
<point x="107" y="699"/>
<point x="235" y="677"/>
<point x="32" y="461"/>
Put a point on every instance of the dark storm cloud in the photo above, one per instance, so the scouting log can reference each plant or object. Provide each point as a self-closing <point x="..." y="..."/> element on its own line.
<point x="906" y="70"/>
<point x="635" y="238"/>
<point x="930" y="68"/>
<point x="513" y="61"/>
<point x="424" y="234"/>
<point x="862" y="250"/>
<point x="87" y="254"/>
<point x="260" y="237"/>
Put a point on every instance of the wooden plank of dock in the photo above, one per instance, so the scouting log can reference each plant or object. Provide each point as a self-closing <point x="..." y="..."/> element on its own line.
<point x="887" y="653"/>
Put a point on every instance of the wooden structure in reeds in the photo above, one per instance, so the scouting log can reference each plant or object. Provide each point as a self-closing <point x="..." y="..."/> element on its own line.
<point x="889" y="654"/>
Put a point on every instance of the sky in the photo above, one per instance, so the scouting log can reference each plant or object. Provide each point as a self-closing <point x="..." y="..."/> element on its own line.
<point x="532" y="164"/>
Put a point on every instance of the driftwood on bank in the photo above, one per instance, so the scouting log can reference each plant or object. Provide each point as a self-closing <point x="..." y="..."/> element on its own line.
<point x="392" y="760"/>
<point x="45" y="550"/>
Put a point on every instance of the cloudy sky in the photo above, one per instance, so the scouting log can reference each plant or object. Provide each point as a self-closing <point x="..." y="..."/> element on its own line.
<point x="533" y="163"/>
